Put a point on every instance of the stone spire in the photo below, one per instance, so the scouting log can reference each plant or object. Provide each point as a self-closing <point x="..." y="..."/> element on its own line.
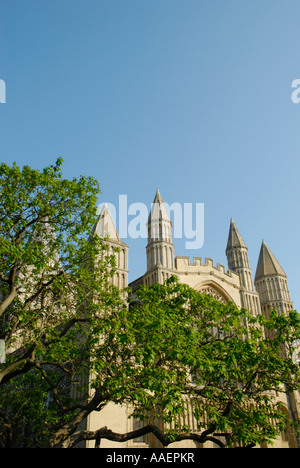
<point x="267" y="264"/>
<point x="106" y="228"/>
<point x="271" y="282"/>
<point x="160" y="248"/>
<point x="237" y="256"/>
<point x="105" y="225"/>
<point x="235" y="239"/>
<point x="238" y="261"/>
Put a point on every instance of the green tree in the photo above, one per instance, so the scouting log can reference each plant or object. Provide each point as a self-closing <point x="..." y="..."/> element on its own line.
<point x="173" y="350"/>
<point x="51" y="286"/>
<point x="219" y="364"/>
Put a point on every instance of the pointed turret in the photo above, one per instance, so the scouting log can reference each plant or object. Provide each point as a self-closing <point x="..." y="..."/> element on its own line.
<point x="159" y="222"/>
<point x="267" y="263"/>
<point x="106" y="229"/>
<point x="238" y="261"/>
<point x="160" y="248"/>
<point x="234" y="238"/>
<point x="237" y="256"/>
<point x="271" y="282"/>
<point x="105" y="225"/>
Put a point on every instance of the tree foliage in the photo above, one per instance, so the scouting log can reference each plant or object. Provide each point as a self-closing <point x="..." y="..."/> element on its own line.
<point x="73" y="344"/>
<point x="52" y="285"/>
<point x="219" y="363"/>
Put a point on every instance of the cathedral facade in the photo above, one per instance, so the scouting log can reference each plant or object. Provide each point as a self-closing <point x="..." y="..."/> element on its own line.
<point x="269" y="290"/>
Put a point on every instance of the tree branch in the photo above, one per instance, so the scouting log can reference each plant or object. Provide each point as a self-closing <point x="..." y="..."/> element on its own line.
<point x="105" y="433"/>
<point x="64" y="433"/>
<point x="13" y="370"/>
<point x="8" y="300"/>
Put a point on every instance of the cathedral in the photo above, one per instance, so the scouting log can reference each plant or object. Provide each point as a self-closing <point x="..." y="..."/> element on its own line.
<point x="268" y="291"/>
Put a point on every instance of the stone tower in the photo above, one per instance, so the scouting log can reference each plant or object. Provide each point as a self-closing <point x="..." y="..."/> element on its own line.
<point x="238" y="261"/>
<point x="104" y="227"/>
<point x="160" y="247"/>
<point x="271" y="283"/>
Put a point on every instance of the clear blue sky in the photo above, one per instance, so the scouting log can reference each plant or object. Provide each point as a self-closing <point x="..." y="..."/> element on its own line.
<point x="189" y="96"/>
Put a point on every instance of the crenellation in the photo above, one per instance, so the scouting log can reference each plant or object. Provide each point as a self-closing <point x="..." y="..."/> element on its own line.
<point x="183" y="262"/>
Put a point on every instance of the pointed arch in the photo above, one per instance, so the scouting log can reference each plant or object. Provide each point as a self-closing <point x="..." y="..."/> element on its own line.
<point x="215" y="290"/>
